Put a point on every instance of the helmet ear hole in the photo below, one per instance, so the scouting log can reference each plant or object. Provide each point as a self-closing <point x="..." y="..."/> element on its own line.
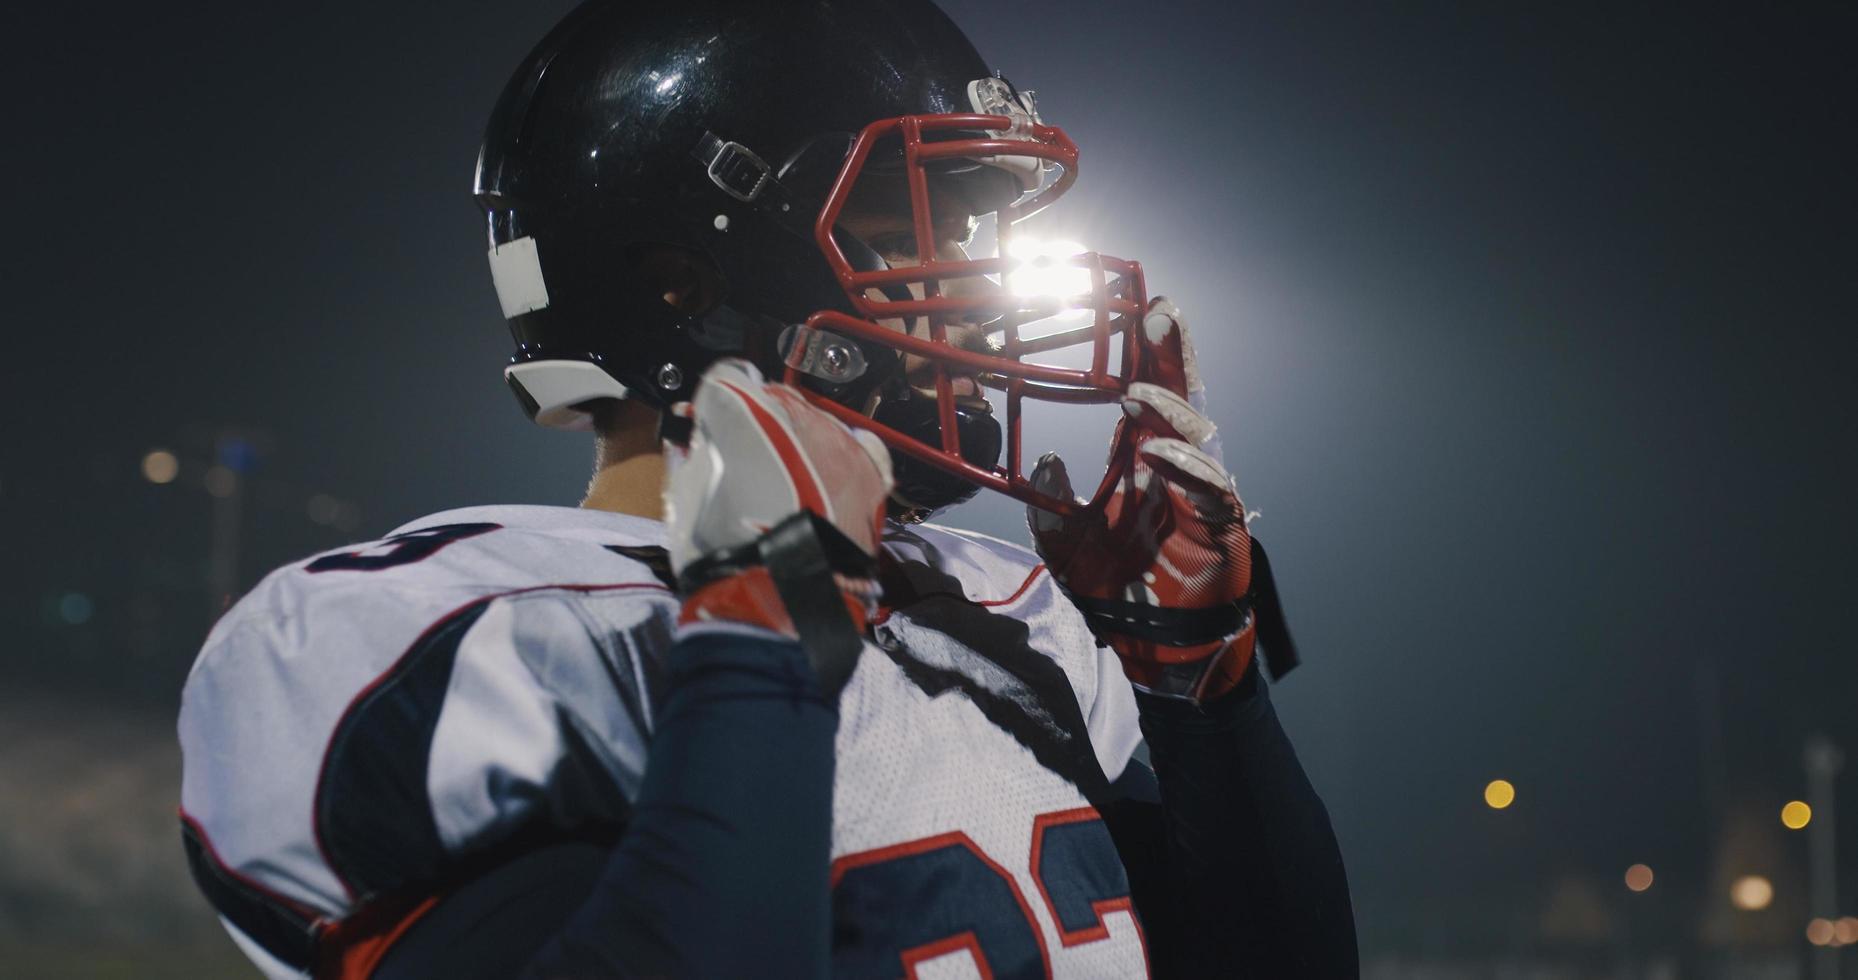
<point x="686" y="279"/>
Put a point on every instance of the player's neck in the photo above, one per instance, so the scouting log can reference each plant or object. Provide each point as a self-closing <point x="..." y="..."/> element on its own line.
<point x="631" y="486"/>
<point x="629" y="472"/>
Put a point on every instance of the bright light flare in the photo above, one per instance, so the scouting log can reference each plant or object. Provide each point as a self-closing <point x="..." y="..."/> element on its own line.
<point x="1639" y="877"/>
<point x="1821" y="932"/>
<point x="1751" y="893"/>
<point x="1499" y="794"/>
<point x="1796" y="815"/>
<point x="1040" y="270"/>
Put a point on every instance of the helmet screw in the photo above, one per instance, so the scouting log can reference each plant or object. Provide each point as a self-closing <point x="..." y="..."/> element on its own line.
<point x="670" y="377"/>
<point x="721" y="222"/>
<point x="837" y="361"/>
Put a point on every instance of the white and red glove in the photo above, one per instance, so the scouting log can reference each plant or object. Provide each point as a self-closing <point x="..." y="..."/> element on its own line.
<point x="773" y="516"/>
<point x="1164" y="574"/>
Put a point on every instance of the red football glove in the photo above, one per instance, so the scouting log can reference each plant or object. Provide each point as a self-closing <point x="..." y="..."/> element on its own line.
<point x="1163" y="575"/>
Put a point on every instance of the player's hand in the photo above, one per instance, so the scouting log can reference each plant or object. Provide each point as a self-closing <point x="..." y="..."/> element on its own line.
<point x="775" y="511"/>
<point x="1163" y="574"/>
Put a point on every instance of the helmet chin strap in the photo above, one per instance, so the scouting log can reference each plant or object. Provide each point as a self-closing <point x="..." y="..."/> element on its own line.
<point x="921" y="489"/>
<point x="901" y="511"/>
<point x="675" y="428"/>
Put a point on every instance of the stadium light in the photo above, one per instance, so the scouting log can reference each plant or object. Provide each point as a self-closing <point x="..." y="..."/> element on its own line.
<point x="1040" y="268"/>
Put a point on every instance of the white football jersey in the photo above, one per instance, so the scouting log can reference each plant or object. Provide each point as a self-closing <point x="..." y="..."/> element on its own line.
<point x="366" y="720"/>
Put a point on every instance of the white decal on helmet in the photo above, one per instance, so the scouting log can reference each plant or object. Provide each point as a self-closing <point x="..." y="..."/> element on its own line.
<point x="516" y="268"/>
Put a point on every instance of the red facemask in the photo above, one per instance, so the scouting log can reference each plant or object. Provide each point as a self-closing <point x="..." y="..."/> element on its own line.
<point x="1116" y="301"/>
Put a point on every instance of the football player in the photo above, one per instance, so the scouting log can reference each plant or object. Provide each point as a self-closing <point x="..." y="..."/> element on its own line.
<point x="768" y="732"/>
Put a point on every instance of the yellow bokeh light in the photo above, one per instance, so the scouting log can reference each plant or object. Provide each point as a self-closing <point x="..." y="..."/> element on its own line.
<point x="1846" y="931"/>
<point x="1821" y="932"/>
<point x="1751" y="893"/>
<point x="1499" y="794"/>
<point x="160" y="466"/>
<point x="1639" y="877"/>
<point x="1796" y="815"/>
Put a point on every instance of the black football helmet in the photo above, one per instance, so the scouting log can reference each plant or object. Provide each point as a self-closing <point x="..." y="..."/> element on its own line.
<point x="730" y="133"/>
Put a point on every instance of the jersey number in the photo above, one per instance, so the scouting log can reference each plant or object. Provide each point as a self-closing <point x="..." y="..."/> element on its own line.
<point x="402" y="549"/>
<point x="903" y="904"/>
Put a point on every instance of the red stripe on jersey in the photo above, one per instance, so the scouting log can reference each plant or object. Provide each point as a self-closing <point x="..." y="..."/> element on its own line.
<point x="352" y="949"/>
<point x="939" y="841"/>
<point x="206" y="844"/>
<point x="912" y="958"/>
<point x="1023" y="586"/>
<point x="1101" y="930"/>
<point x="883" y="611"/>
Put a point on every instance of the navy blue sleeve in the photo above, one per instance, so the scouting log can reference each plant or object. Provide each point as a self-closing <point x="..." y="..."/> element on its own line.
<point x="1251" y="879"/>
<point x="723" y="870"/>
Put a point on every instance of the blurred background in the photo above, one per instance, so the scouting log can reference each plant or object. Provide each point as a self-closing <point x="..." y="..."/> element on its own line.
<point x="1530" y="330"/>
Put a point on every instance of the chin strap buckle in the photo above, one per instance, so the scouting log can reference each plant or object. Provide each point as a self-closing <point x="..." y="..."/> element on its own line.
<point x="733" y="167"/>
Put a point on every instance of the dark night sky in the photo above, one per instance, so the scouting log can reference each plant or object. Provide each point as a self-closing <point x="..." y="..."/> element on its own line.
<point x="1530" y="332"/>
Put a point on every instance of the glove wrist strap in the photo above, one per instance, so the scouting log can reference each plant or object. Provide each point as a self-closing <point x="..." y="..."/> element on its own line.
<point x="803" y="578"/>
<point x="1157" y="624"/>
<point x="1195" y="674"/>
